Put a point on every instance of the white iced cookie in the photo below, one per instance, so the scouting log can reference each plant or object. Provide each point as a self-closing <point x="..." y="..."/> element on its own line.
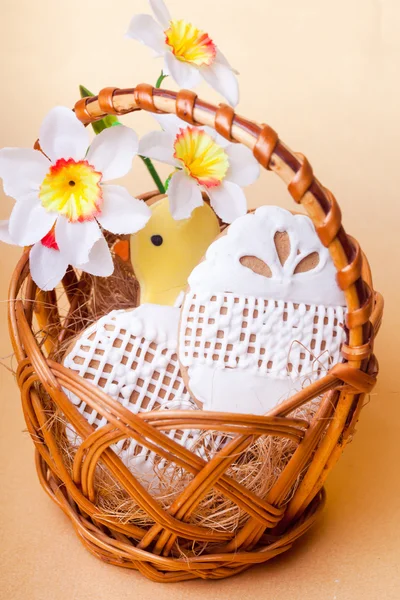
<point x="263" y="314"/>
<point x="132" y="356"/>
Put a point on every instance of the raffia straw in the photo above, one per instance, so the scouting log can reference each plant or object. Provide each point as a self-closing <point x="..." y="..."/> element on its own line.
<point x="116" y="292"/>
<point x="257" y="469"/>
<point x="120" y="291"/>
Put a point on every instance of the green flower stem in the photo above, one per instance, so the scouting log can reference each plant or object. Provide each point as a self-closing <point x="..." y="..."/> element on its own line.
<point x="156" y="178"/>
<point x="161" y="79"/>
<point x="110" y="121"/>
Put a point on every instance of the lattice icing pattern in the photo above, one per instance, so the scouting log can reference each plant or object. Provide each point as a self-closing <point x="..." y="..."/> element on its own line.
<point x="132" y="356"/>
<point x="250" y="332"/>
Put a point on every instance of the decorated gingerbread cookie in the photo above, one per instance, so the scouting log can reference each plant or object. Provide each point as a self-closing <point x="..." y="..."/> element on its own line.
<point x="262" y="316"/>
<point x="132" y="356"/>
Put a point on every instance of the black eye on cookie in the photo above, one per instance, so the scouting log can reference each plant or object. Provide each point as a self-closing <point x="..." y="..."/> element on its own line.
<point x="157" y="240"/>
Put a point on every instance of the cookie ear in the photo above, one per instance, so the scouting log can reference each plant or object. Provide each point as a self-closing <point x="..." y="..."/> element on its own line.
<point x="256" y="265"/>
<point x="308" y="263"/>
<point x="282" y="245"/>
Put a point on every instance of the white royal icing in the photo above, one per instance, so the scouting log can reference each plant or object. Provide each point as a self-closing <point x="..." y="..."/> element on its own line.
<point x="253" y="235"/>
<point x="140" y="346"/>
<point x="249" y="341"/>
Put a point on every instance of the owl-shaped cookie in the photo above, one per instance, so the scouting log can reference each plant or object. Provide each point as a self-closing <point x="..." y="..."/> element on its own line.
<point x="262" y="315"/>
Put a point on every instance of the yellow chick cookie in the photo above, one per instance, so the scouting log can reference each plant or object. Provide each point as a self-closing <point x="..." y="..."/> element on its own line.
<point x="164" y="253"/>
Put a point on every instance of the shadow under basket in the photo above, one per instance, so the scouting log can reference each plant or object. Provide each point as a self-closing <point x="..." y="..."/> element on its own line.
<point x="169" y="545"/>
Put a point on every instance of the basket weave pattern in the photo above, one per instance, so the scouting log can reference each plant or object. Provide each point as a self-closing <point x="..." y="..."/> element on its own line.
<point x="273" y="524"/>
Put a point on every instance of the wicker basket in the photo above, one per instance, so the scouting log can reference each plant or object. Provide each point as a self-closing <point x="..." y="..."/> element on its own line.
<point x="273" y="525"/>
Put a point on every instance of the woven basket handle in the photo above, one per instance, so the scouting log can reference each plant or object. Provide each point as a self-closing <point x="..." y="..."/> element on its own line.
<point x="294" y="169"/>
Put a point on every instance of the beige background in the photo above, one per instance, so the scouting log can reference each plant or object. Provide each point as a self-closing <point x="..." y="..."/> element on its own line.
<point x="325" y="75"/>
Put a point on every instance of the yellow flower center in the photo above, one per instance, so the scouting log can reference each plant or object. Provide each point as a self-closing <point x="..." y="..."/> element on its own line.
<point x="73" y="190"/>
<point x="201" y="157"/>
<point x="190" y="44"/>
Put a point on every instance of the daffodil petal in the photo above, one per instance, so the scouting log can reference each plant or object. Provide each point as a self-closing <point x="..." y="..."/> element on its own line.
<point x="221" y="141"/>
<point x="75" y="240"/>
<point x="22" y="171"/>
<point x="146" y="30"/>
<point x="29" y="221"/>
<point x="47" y="266"/>
<point x="62" y="135"/>
<point x="4" y="232"/>
<point x="161" y="12"/>
<point x="223" y="80"/>
<point x="184" y="195"/>
<point x="100" y="261"/>
<point x="169" y="123"/>
<point x="243" y="167"/>
<point x="221" y="58"/>
<point x="158" y="145"/>
<point x="112" y="151"/>
<point x="185" y="75"/>
<point x="228" y="200"/>
<point x="172" y="124"/>
<point x="121" y="212"/>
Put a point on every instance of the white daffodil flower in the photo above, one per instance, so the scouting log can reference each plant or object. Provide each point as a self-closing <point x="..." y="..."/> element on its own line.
<point x="48" y="265"/>
<point x="62" y="196"/>
<point x="189" y="53"/>
<point x="204" y="162"/>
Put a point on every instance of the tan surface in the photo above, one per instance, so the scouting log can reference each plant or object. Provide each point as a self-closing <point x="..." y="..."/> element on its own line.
<point x="328" y="82"/>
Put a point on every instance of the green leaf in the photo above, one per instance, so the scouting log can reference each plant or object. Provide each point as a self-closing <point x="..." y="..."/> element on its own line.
<point x="161" y="79"/>
<point x="166" y="184"/>
<point x="84" y="92"/>
<point x="108" y="121"/>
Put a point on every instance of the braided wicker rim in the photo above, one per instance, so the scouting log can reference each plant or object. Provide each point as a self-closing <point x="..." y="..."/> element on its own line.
<point x="273" y="525"/>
